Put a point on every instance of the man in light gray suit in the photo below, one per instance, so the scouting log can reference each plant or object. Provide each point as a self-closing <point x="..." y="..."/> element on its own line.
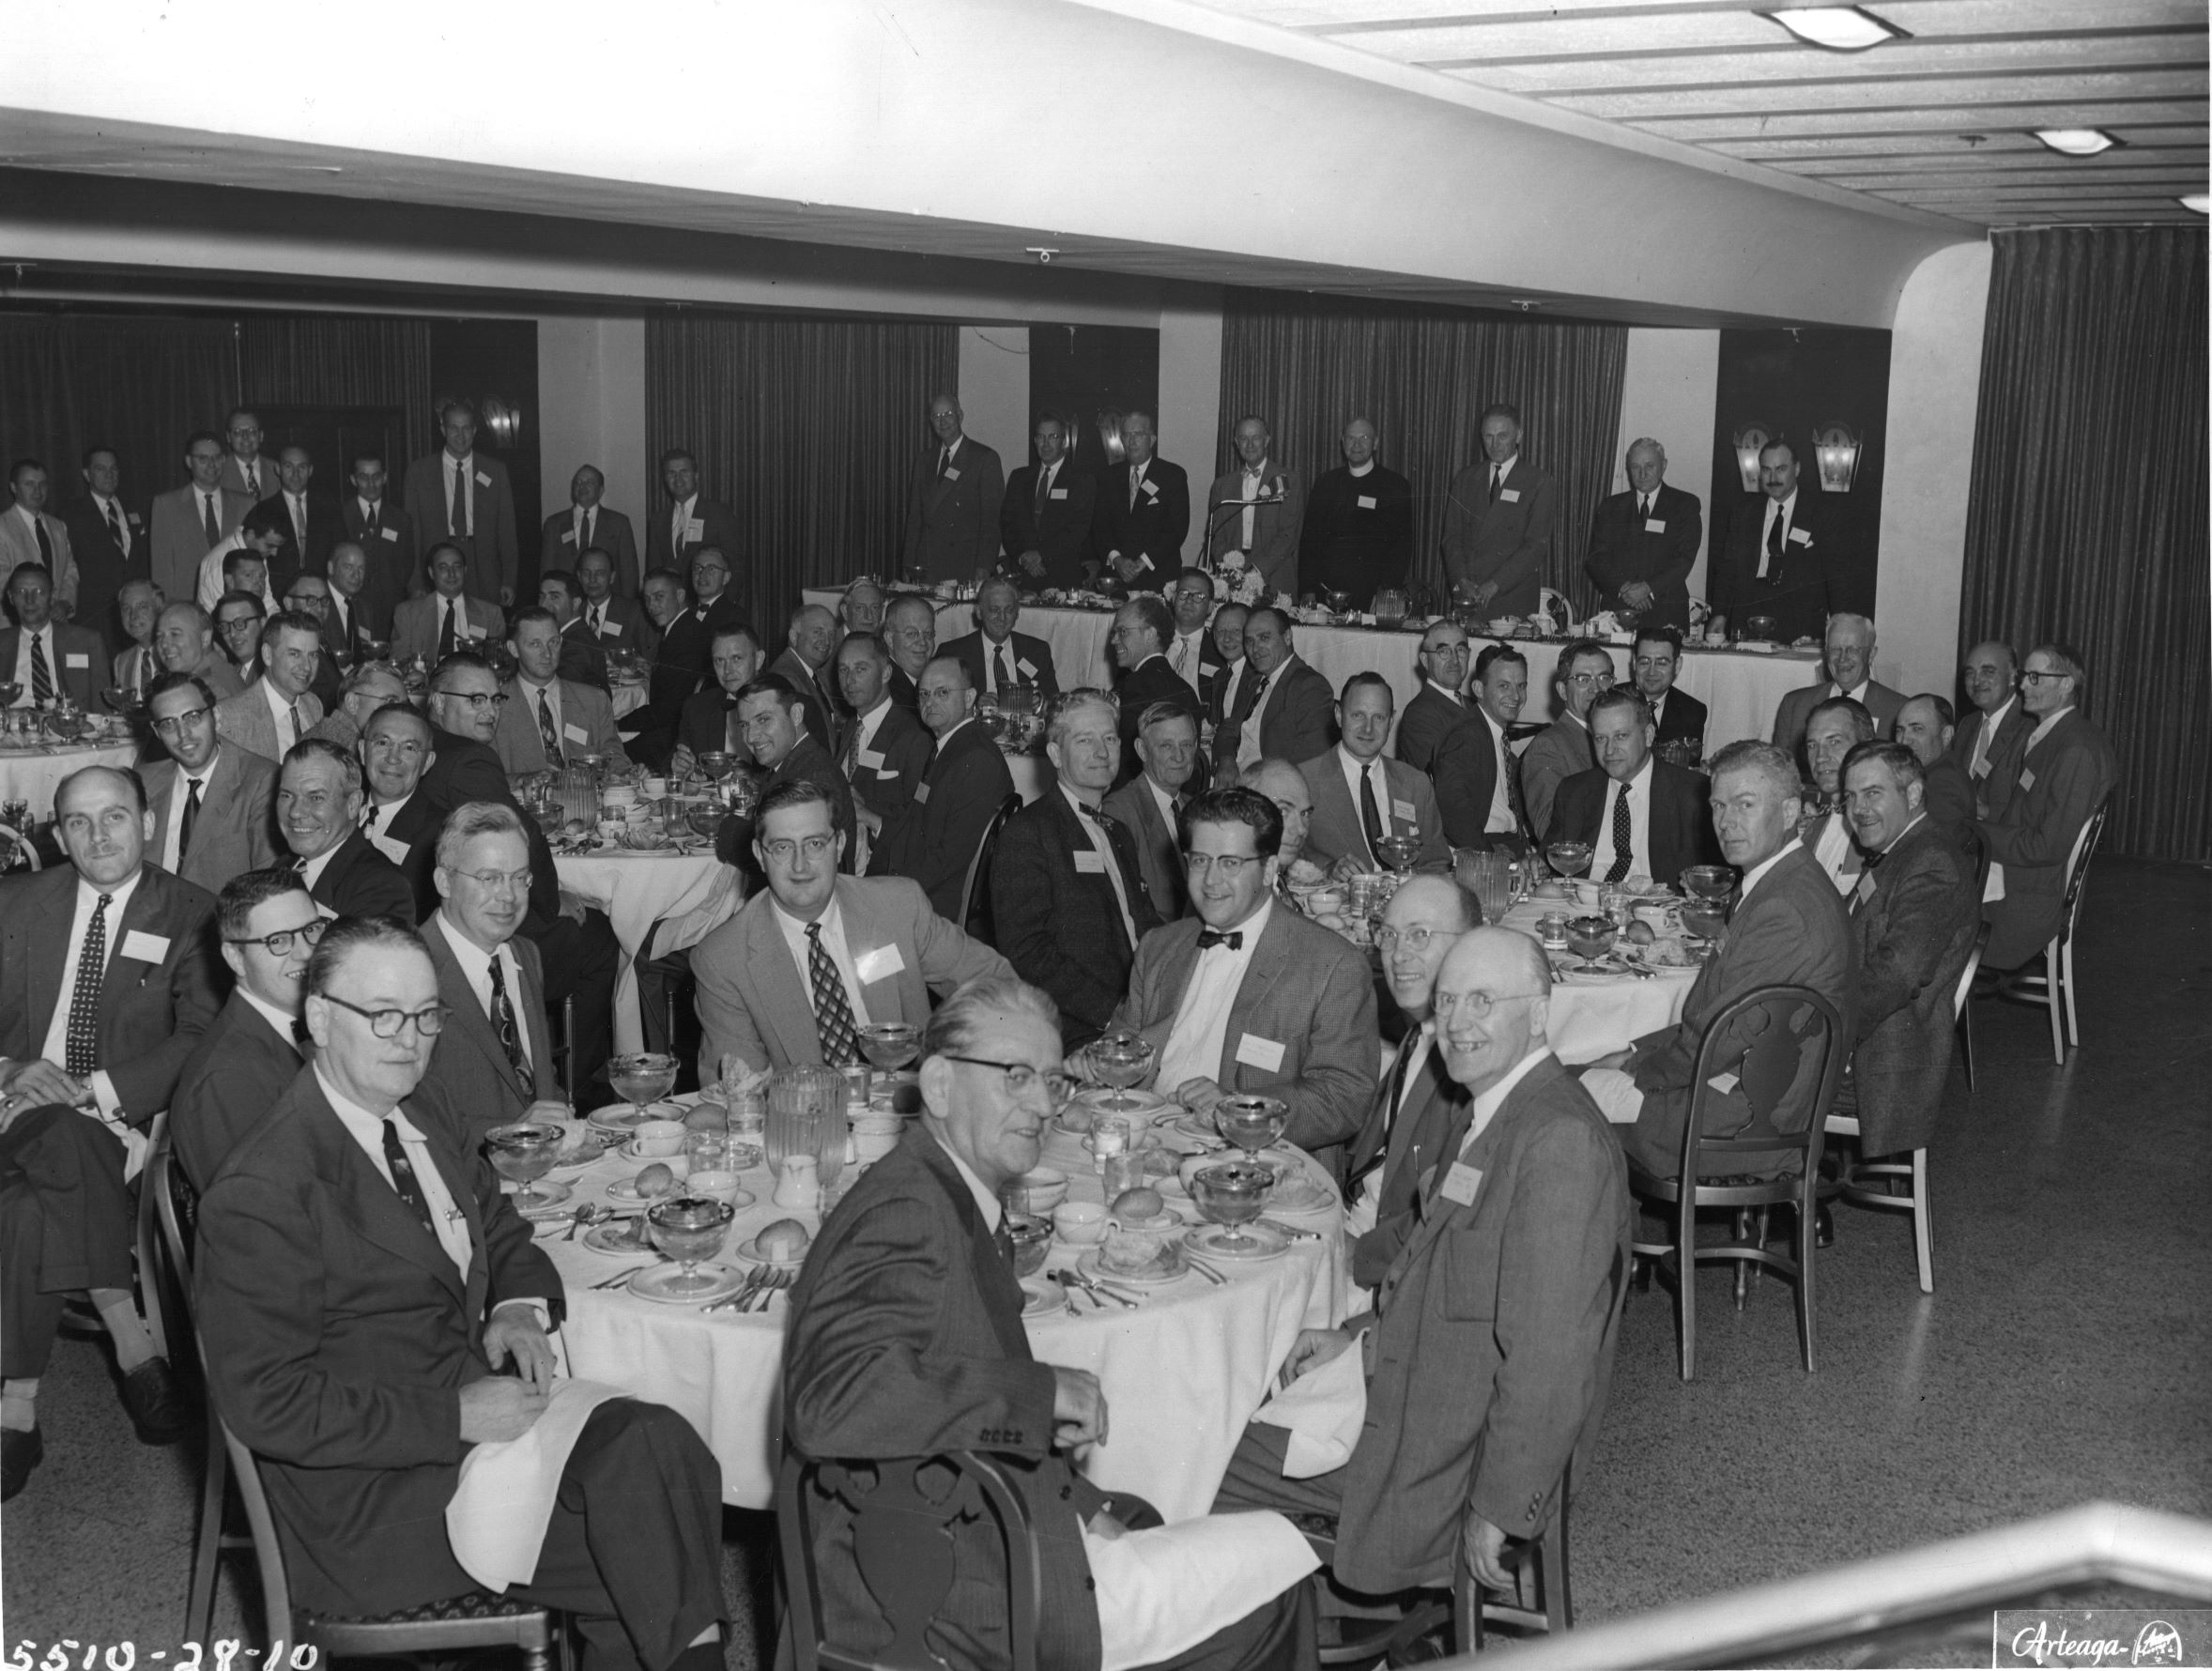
<point x="1391" y="799"/>
<point x="445" y="619"/>
<point x="546" y="720"/>
<point x="1247" y="996"/>
<point x="1563" y="749"/>
<point x="210" y="804"/>
<point x="1847" y="652"/>
<point x="278" y="708"/>
<point x="1150" y="805"/>
<point x="815" y="956"/>
<point x="192" y="520"/>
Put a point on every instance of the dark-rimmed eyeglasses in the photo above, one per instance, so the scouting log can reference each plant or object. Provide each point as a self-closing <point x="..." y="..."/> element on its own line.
<point x="176" y="722"/>
<point x="385" y="1023"/>
<point x="1021" y="1078"/>
<point x="280" y="943"/>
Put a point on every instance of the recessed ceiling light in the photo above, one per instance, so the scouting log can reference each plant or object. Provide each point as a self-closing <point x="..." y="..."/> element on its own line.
<point x="1839" y="28"/>
<point x="2076" y="142"/>
<point x="2200" y="200"/>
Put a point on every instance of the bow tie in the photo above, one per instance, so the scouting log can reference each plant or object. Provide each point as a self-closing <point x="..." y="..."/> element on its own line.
<point x="1873" y="861"/>
<point x="1234" y="939"/>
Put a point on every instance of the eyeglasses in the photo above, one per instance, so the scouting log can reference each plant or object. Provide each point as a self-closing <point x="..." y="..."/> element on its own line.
<point x="1416" y="940"/>
<point x="385" y="1023"/>
<point x="1443" y="650"/>
<point x="2034" y="676"/>
<point x="280" y="943"/>
<point x="783" y="849"/>
<point x="1021" y="1078"/>
<point x="1477" y="1004"/>
<point x="493" y="881"/>
<point x="176" y="722"/>
<point x="1605" y="678"/>
<point x="476" y="699"/>
<point x="1229" y="865"/>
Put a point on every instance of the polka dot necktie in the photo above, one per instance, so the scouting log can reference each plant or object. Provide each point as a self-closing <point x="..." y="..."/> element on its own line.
<point x="83" y="1054"/>
<point x="1621" y="837"/>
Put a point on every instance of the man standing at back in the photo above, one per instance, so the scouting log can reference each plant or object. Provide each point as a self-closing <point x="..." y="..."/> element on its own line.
<point x="461" y="496"/>
<point x="1644" y="542"/>
<point x="381" y="527"/>
<point x="1045" y="519"/>
<point x="1143" y="511"/>
<point x="1358" y="528"/>
<point x="952" y="510"/>
<point x="1778" y="559"/>
<point x="1255" y="510"/>
<point x="586" y="525"/>
<point x="693" y="523"/>
<point x="1498" y="523"/>
<point x="192" y="520"/>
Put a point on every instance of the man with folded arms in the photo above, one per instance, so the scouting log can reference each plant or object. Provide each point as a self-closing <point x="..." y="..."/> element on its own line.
<point x="1150" y="806"/>
<point x="2067" y="771"/>
<point x="1848" y="652"/>
<point x="319" y="814"/>
<point x="210" y="802"/>
<point x="1247" y="996"/>
<point x="954" y="804"/>
<point x="905" y="1340"/>
<point x="361" y="1280"/>
<point x="250" y="1054"/>
<point x="1638" y="815"/>
<point x="1440" y="705"/>
<point x="1837" y="726"/>
<point x="1563" y="748"/>
<point x="1924" y="724"/>
<point x="815" y="956"/>
<point x="1788" y="929"/>
<point x="1359" y="798"/>
<point x="1067" y="903"/>
<point x="1478" y="774"/>
<point x="1485" y="1362"/>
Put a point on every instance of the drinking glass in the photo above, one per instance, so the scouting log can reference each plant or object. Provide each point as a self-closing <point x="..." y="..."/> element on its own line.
<point x="523" y="1153"/>
<point x="1250" y="1122"/>
<point x="1706" y="889"/>
<point x="1399" y="851"/>
<point x="1758" y="627"/>
<point x="890" y="1045"/>
<point x="806" y="1116"/>
<point x="1121" y="1057"/>
<point x="644" y="1077"/>
<point x="1389" y="608"/>
<point x="1232" y="1194"/>
<point x="1569" y="858"/>
<point x="1590" y="939"/>
<point x="689" y="1229"/>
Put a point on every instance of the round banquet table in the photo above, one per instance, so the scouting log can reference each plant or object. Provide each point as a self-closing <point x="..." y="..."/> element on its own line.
<point x="32" y="775"/>
<point x="1182" y="1371"/>
<point x="637" y="890"/>
<point x="1740" y="688"/>
<point x="1592" y="1016"/>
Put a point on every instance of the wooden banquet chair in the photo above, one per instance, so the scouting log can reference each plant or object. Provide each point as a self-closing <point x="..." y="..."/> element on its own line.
<point x="975" y="891"/>
<point x="2052" y="987"/>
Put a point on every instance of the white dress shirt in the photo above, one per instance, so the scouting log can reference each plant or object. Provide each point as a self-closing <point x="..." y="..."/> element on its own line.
<point x="2043" y="726"/>
<point x="1353" y="769"/>
<point x="1835" y="853"/>
<point x="985" y="1202"/>
<point x="1787" y="510"/>
<point x="1359" y="1213"/>
<point x="833" y="942"/>
<point x="180" y="794"/>
<point x="678" y="521"/>
<point x="311" y="873"/>
<point x="1247" y="741"/>
<point x="1201" y="1027"/>
<point x="281" y="708"/>
<point x="865" y="726"/>
<point x="1104" y="849"/>
<point x="278" y="1020"/>
<point x="249" y="473"/>
<point x="1165" y="802"/>
<point x="1500" y="819"/>
<point x="1249" y="491"/>
<point x="296" y="503"/>
<point x="1758" y="872"/>
<point x="1185" y="651"/>
<point x="1488" y="1105"/>
<point x="43" y="638"/>
<point x="465" y="470"/>
<point x="991" y="655"/>
<point x="476" y="968"/>
<point x="549" y="693"/>
<point x="577" y="537"/>
<point x="1638" y="792"/>
<point x="55" y="1046"/>
<point x="211" y="588"/>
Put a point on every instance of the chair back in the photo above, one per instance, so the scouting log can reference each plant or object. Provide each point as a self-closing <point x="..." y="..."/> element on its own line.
<point x="975" y="891"/>
<point x="904" y="1514"/>
<point x="2078" y="867"/>
<point x="1972" y="967"/>
<point x="1764" y="1040"/>
<point x="268" y="1550"/>
<point x="177" y="1206"/>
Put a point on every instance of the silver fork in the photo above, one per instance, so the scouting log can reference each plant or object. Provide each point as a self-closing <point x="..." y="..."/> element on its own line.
<point x="764" y="1292"/>
<point x="736" y="1302"/>
<point x="581" y="1217"/>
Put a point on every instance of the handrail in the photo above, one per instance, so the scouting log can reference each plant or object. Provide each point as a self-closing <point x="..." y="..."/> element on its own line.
<point x="2098" y="1543"/>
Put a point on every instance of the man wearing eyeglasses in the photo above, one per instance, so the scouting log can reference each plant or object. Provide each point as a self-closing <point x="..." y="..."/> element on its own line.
<point x="1563" y="748"/>
<point x="494" y="1061"/>
<point x="210" y="804"/>
<point x="1440" y="706"/>
<point x="1247" y="996"/>
<point x="106" y="985"/>
<point x="361" y="1281"/>
<point x="319" y="814"/>
<point x="815" y="956"/>
<point x="250" y="1055"/>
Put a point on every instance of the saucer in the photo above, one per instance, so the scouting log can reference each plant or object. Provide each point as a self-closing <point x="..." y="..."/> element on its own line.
<point x="616" y="1238"/>
<point x="654" y="1284"/>
<point x="1174" y="1271"/>
<point x="625" y="1192"/>
<point x="557" y="1208"/>
<point x="1040" y="1298"/>
<point x="1259" y="1241"/>
<point x="751" y="1252"/>
<point x="621" y="1118"/>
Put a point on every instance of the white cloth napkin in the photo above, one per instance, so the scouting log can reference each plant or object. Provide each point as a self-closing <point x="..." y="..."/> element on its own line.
<point x="498" y="1517"/>
<point x="1615" y="1093"/>
<point x="1164" y="1590"/>
<point x="1324" y="1408"/>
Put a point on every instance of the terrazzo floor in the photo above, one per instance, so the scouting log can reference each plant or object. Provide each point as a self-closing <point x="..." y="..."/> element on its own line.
<point x="2065" y="1357"/>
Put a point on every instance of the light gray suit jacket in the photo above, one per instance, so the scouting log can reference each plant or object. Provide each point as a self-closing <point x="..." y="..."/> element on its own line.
<point x="247" y="720"/>
<point x="469" y="1061"/>
<point x="754" y="999"/>
<point x="520" y="746"/>
<point x="1796" y="709"/>
<point x="18" y="545"/>
<point x="1306" y="992"/>
<point x="1335" y="829"/>
<point x="233" y="830"/>
<point x="1158" y="862"/>
<point x="414" y="625"/>
<point x="1555" y="754"/>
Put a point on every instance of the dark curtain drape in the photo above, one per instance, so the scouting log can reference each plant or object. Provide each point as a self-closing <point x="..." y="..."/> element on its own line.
<point x="2086" y="511"/>
<point x="139" y="385"/>
<point x="1309" y="364"/>
<point x="325" y="361"/>
<point x="806" y="429"/>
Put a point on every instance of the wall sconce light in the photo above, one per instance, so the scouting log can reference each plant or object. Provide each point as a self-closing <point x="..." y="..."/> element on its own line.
<point x="1837" y="449"/>
<point x="1117" y="449"/>
<point x="1750" y="442"/>
<point x="502" y="423"/>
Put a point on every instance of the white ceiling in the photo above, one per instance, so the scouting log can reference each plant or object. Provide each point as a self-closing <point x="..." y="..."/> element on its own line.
<point x="1940" y="121"/>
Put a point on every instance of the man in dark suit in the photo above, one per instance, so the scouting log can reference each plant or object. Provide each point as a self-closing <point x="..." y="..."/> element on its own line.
<point x="710" y="725"/>
<point x="765" y="997"/>
<point x="1360" y="799"/>
<point x="1150" y="805"/>
<point x="246" y="468"/>
<point x="587" y="525"/>
<point x="460" y="494"/>
<point x="685" y="656"/>
<point x="1440" y="706"/>
<point x="1143" y="511"/>
<point x="614" y="619"/>
<point x="1498" y="523"/>
<point x="1142" y="628"/>
<point x="250" y="1054"/>
<point x="386" y="533"/>
<point x="1474" y="1410"/>
<point x="1838" y="726"/>
<point x="1991" y="739"/>
<point x="1255" y="512"/>
<point x="358" y="1288"/>
<point x="1192" y="654"/>
<point x="1788" y="929"/>
<point x="886" y="752"/>
<point x="1915" y="914"/>
<point x="212" y="804"/>
<point x="1067" y="899"/>
<point x="106" y="983"/>
<point x="810" y="642"/>
<point x="349" y="627"/>
<point x="1477" y="773"/>
<point x="448" y="617"/>
<point x="1281" y="708"/>
<point x="1848" y="657"/>
<point x="578" y="658"/>
<point x="189" y="521"/>
<point x="996" y="655"/>
<point x="905" y="1340"/>
<point x="110" y="544"/>
<point x="1778" y="560"/>
<point x="311" y="520"/>
<point x="493" y="1059"/>
<point x="1643" y="543"/>
<point x="952" y="510"/>
<point x="1654" y="663"/>
<point x="1923" y="726"/>
<point x="1358" y="528"/>
<point x="1281" y="1007"/>
<point x="1638" y="814"/>
<point x="910" y="633"/>
<point x="2067" y="771"/>
<point x="954" y="804"/>
<point x="397" y="748"/>
<point x="692" y="524"/>
<point x="318" y="805"/>
<point x="1044" y="521"/>
<point x="768" y="720"/>
<point x="49" y="658"/>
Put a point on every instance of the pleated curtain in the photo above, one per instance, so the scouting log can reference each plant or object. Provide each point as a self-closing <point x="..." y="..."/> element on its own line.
<point x="330" y="360"/>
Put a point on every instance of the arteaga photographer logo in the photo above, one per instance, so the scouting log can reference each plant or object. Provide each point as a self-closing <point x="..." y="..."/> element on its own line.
<point x="2103" y="1637"/>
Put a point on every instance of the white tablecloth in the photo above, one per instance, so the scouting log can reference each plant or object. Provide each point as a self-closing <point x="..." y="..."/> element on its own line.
<point x="1740" y="688"/>
<point x="34" y="776"/>
<point x="637" y="891"/>
<point x="1594" y="1016"/>
<point x="1182" y="1373"/>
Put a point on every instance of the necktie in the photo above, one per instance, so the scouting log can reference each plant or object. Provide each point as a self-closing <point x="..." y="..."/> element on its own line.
<point x="459" y="524"/>
<point x="833" y="1012"/>
<point x="547" y="732"/>
<point x="676" y="531"/>
<point x="584" y="535"/>
<point x="299" y="730"/>
<point x="1003" y="1239"/>
<point x="368" y="522"/>
<point x="252" y="478"/>
<point x="184" y="824"/>
<point x="1509" y="765"/>
<point x="41" y="675"/>
<point x="1234" y="939"/>
<point x="212" y="522"/>
<point x="1136" y="480"/>
<point x="1370" y="814"/>
<point x="1249" y="701"/>
<point x="368" y="822"/>
<point x="146" y="669"/>
<point x="593" y="618"/>
<point x="404" y="1181"/>
<point x="1643" y="508"/>
<point x="445" y="633"/>
<point x="503" y="1022"/>
<point x="45" y="542"/>
<point x="943" y="463"/>
<point x="1495" y="476"/>
<point x="1620" y="836"/>
<point x="1182" y="656"/>
<point x="1044" y="483"/>
<point x="115" y="528"/>
<point x="1773" y="554"/>
<point x="1393" y="1091"/>
<point x="1006" y="668"/>
<point x="92" y="967"/>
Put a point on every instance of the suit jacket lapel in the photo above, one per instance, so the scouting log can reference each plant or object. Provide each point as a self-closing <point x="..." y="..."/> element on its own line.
<point x="468" y="1013"/>
<point x="374" y="1207"/>
<point x="44" y="974"/>
<point x="783" y="984"/>
<point x="995" y="1277"/>
<point x="1268" y="959"/>
<point x="456" y="1172"/>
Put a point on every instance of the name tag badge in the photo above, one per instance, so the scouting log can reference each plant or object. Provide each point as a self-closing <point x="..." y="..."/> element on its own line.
<point x="1654" y="525"/>
<point x="394" y="850"/>
<point x="2027" y="777"/>
<point x="390" y="534"/>
<point x="1150" y="492"/>
<point x="1262" y="1053"/>
<point x="1365" y="501"/>
<point x="1461" y="1183"/>
<point x="1028" y="667"/>
<point x="132" y="517"/>
<point x="472" y="631"/>
<point x="887" y="773"/>
<point x="1402" y="810"/>
<point x="1865" y="887"/>
<point x="1798" y="537"/>
<point x="879" y="964"/>
<point x="952" y="475"/>
<point x="575" y="733"/>
<point x="1724" y="1082"/>
<point x="870" y="758"/>
<point x="696" y="529"/>
<point x="483" y="480"/>
<point x="1512" y="496"/>
<point x="569" y="538"/>
<point x="1090" y="861"/>
<point x="921" y="794"/>
<point x="75" y="658"/>
<point x="1056" y="493"/>
<point x="610" y="629"/>
<point x="145" y="947"/>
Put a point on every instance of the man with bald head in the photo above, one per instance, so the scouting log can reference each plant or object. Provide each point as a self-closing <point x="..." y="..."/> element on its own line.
<point x="1256" y="508"/>
<point x="1643" y="541"/>
<point x="1848" y="655"/>
<point x="1991" y="740"/>
<point x="587" y="525"/>
<point x="1358" y="529"/>
<point x="808" y="664"/>
<point x="1143" y="511"/>
<point x="1498" y="522"/>
<point x="952" y="531"/>
<point x="184" y="642"/>
<point x="910" y="633"/>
